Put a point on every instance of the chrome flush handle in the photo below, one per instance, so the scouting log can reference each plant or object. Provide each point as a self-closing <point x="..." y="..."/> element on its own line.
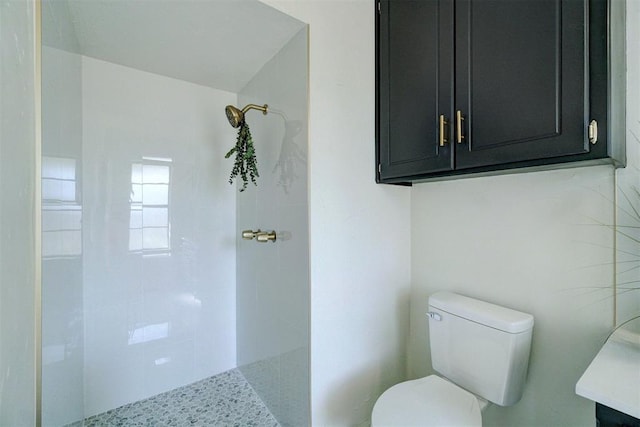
<point x="435" y="316"/>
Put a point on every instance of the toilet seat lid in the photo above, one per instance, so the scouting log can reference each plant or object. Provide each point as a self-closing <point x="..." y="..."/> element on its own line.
<point x="428" y="401"/>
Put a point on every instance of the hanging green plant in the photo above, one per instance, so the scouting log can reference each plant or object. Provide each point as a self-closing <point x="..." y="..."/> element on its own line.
<point x="245" y="165"/>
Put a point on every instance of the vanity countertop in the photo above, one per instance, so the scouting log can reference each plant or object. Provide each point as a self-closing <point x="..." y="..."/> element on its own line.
<point x="613" y="377"/>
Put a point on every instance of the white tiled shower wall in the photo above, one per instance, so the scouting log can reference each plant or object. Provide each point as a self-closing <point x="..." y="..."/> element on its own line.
<point x="155" y="279"/>
<point x="273" y="278"/>
<point x="62" y="294"/>
<point x="128" y="315"/>
<point x="62" y="310"/>
<point x="147" y="314"/>
<point x="128" y="309"/>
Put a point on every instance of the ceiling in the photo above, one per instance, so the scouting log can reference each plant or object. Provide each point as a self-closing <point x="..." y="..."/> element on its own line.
<point x="216" y="43"/>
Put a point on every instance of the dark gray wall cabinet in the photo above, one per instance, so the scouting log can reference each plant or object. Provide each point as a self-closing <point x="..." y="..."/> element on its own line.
<point x="471" y="86"/>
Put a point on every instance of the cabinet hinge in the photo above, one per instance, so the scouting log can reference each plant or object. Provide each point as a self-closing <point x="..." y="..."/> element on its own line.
<point x="379" y="7"/>
<point x="379" y="168"/>
<point x="593" y="132"/>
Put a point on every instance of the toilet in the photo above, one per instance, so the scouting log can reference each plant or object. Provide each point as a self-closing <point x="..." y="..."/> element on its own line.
<point x="481" y="354"/>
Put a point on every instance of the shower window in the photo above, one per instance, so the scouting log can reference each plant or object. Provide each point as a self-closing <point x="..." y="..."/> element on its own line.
<point x="61" y="209"/>
<point x="149" y="225"/>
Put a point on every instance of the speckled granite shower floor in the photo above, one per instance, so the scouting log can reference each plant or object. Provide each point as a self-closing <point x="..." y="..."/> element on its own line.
<point x="224" y="400"/>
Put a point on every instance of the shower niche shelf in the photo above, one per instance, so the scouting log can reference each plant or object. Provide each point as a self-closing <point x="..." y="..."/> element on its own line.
<point x="475" y="87"/>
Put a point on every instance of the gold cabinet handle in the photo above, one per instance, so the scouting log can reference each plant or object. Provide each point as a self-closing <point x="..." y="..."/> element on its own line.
<point x="460" y="129"/>
<point x="443" y="124"/>
<point x="593" y="131"/>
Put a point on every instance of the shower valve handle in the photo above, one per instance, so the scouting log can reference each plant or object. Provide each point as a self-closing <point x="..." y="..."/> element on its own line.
<point x="249" y="234"/>
<point x="266" y="236"/>
<point x="260" y="236"/>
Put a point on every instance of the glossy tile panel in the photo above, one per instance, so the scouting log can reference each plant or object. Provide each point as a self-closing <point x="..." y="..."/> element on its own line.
<point x="159" y="237"/>
<point x="62" y="294"/>
<point x="273" y="278"/>
<point x="17" y="213"/>
<point x="62" y="304"/>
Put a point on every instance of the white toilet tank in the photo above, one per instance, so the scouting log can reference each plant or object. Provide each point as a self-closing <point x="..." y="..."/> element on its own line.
<point x="481" y="347"/>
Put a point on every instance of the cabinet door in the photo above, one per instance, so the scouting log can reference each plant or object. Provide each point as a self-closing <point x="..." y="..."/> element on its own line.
<point x="520" y="80"/>
<point x="415" y="86"/>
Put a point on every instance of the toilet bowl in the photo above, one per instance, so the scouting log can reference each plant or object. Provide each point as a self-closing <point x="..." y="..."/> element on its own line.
<point x="481" y="354"/>
<point x="428" y="401"/>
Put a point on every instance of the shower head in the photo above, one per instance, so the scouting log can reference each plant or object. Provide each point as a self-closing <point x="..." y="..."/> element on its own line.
<point x="236" y="116"/>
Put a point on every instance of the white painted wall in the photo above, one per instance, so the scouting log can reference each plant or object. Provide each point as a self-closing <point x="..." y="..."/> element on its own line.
<point x="359" y="230"/>
<point x="17" y="214"/>
<point x="531" y="242"/>
<point x="155" y="320"/>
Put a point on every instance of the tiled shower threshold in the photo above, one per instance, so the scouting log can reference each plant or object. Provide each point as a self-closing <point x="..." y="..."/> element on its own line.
<point x="224" y="400"/>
